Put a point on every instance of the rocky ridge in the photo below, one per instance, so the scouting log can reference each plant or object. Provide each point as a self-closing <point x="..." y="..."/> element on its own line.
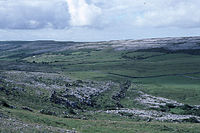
<point x="176" y="43"/>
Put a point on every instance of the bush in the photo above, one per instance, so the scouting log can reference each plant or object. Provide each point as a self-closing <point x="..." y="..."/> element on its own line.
<point x="47" y="112"/>
<point x="191" y="120"/>
<point x="5" y="103"/>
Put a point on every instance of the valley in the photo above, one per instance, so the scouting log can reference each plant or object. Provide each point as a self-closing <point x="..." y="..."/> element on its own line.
<point x="150" y="85"/>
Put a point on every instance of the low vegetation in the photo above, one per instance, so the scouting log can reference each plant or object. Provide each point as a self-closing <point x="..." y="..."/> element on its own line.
<point x="79" y="88"/>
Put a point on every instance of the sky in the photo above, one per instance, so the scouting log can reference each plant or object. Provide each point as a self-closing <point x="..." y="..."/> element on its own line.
<point x="98" y="20"/>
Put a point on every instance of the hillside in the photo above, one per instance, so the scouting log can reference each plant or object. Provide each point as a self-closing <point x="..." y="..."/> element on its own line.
<point x="149" y="85"/>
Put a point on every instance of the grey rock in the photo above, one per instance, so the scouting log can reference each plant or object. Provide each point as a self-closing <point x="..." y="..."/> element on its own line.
<point x="175" y="43"/>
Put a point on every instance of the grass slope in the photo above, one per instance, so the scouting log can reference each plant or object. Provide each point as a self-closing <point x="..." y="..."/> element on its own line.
<point x="174" y="75"/>
<point x="160" y="73"/>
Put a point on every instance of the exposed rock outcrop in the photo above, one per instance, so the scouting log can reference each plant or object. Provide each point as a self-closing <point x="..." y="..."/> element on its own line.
<point x="175" y="43"/>
<point x="80" y="92"/>
<point x="156" y="115"/>
<point x="155" y="102"/>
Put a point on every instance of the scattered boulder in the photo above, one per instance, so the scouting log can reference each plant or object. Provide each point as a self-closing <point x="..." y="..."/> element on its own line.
<point x="67" y="84"/>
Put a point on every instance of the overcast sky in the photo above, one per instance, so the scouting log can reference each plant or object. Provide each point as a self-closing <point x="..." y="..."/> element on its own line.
<point x="94" y="20"/>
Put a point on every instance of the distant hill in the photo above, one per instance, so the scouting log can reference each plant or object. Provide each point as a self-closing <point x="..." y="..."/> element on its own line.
<point x="170" y="43"/>
<point x="176" y="43"/>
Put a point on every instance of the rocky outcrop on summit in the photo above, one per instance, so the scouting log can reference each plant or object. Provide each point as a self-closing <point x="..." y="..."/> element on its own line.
<point x="175" y="43"/>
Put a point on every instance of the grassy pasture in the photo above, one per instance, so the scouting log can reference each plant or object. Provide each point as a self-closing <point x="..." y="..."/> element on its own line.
<point x="155" y="70"/>
<point x="115" y="124"/>
<point x="174" y="75"/>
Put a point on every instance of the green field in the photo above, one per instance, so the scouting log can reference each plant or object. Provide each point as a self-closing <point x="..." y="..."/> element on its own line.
<point x="159" y="73"/>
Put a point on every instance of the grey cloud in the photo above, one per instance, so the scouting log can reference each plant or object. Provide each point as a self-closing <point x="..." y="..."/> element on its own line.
<point x="151" y="13"/>
<point x="171" y="13"/>
<point x="98" y="14"/>
<point x="35" y="14"/>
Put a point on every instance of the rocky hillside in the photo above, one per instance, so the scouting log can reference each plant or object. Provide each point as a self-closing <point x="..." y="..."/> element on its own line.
<point x="116" y="86"/>
<point x="38" y="47"/>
